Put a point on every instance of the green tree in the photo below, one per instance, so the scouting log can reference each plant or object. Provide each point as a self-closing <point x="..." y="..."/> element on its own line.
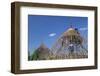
<point x="34" y="55"/>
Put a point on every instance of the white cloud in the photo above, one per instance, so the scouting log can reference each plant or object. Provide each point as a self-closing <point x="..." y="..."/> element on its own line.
<point x="52" y="34"/>
<point x="83" y="29"/>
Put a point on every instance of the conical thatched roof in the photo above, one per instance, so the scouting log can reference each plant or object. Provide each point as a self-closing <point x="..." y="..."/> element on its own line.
<point x="69" y="45"/>
<point x="43" y="49"/>
<point x="43" y="52"/>
<point x="71" y="31"/>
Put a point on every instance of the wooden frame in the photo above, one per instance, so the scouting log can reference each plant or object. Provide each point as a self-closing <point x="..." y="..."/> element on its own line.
<point x="15" y="37"/>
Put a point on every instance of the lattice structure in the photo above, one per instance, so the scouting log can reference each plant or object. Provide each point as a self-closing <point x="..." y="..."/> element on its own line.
<point x="69" y="45"/>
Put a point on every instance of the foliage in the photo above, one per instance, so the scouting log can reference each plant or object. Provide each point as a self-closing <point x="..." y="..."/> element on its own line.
<point x="34" y="55"/>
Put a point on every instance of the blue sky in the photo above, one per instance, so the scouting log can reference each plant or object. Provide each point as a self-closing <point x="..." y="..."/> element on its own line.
<point x="46" y="29"/>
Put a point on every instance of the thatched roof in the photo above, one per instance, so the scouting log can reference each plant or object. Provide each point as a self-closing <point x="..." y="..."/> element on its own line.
<point x="43" y="49"/>
<point x="71" y="31"/>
